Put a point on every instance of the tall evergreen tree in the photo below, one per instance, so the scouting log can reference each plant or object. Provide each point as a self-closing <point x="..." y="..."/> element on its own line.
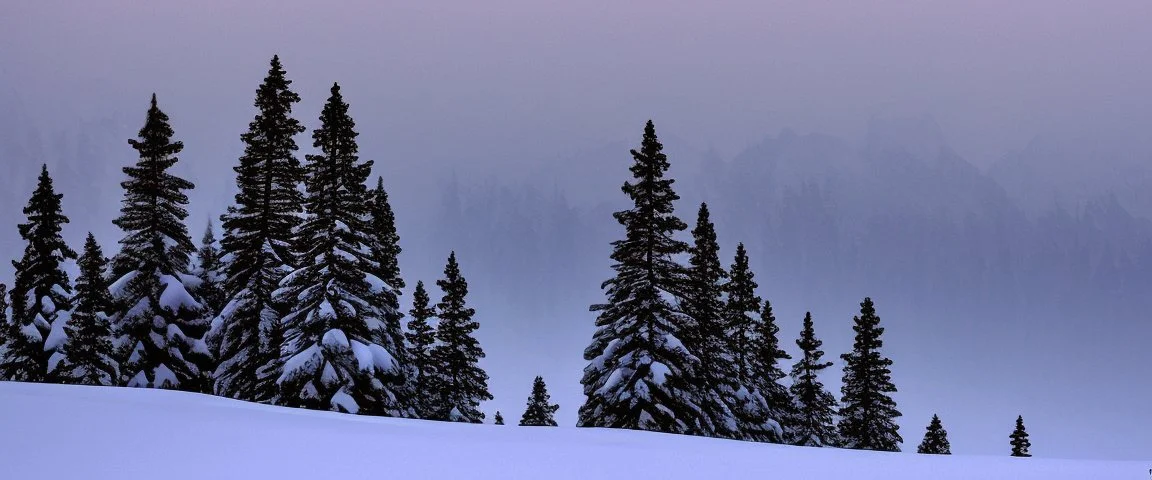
<point x="159" y="321"/>
<point x="540" y="411"/>
<point x="460" y="384"/>
<point x="767" y="373"/>
<point x="333" y="358"/>
<point x="257" y="244"/>
<point x="88" y="358"/>
<point x="707" y="338"/>
<point x="41" y="293"/>
<point x="868" y="414"/>
<point x="743" y="329"/>
<point x="499" y="418"/>
<point x="935" y="439"/>
<point x="421" y="336"/>
<point x="640" y="374"/>
<point x="209" y="270"/>
<point x="381" y="263"/>
<point x="812" y="425"/>
<point x="1020" y="444"/>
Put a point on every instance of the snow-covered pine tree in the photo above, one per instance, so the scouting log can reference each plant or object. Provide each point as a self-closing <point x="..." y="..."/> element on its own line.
<point x="867" y="413"/>
<point x="210" y="269"/>
<point x="1021" y="446"/>
<point x="935" y="439"/>
<point x="499" y="418"/>
<point x="87" y="358"/>
<point x="706" y="339"/>
<point x="767" y="372"/>
<point x="641" y="375"/>
<point x="460" y="384"/>
<point x="382" y="265"/>
<point x="159" y="322"/>
<point x="41" y="293"/>
<point x="421" y="336"/>
<point x="813" y="424"/>
<point x="540" y="411"/>
<point x="332" y="358"/>
<point x="257" y="245"/>
<point x="745" y="341"/>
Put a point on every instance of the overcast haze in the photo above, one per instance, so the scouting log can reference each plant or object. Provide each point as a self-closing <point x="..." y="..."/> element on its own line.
<point x="1040" y="108"/>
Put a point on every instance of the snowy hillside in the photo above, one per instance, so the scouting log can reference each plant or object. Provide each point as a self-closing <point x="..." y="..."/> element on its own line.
<point x="59" y="432"/>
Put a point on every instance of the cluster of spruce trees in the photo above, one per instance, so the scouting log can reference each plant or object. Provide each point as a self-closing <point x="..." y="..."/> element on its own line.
<point x="689" y="347"/>
<point x="297" y="305"/>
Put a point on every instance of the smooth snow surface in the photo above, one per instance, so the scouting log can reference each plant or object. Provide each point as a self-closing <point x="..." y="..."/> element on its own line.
<point x="99" y="433"/>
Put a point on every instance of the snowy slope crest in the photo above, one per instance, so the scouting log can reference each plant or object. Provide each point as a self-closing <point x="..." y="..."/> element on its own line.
<point x="102" y="433"/>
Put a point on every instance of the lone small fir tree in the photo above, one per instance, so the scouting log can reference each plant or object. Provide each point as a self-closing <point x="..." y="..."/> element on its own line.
<point x="935" y="439"/>
<point x="499" y="418"/>
<point x="1020" y="443"/>
<point x="539" y="412"/>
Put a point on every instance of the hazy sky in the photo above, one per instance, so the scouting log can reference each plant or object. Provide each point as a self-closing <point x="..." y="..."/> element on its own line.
<point x="491" y="87"/>
<point x="509" y="76"/>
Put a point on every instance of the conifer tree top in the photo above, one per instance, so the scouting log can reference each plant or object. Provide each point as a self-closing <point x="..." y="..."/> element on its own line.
<point x="420" y="303"/>
<point x="156" y="134"/>
<point x="705" y="258"/>
<point x="652" y="193"/>
<point x="769" y="332"/>
<point x="45" y="218"/>
<point x="153" y="213"/>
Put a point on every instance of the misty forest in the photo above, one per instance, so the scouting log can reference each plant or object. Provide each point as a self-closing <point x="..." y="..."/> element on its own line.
<point x="293" y="293"/>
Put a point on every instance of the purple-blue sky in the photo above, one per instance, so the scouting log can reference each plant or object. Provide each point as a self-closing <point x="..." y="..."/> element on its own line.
<point x="994" y="73"/>
<point x="490" y="89"/>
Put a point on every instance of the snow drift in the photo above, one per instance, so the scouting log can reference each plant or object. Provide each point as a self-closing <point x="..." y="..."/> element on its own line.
<point x="65" y="432"/>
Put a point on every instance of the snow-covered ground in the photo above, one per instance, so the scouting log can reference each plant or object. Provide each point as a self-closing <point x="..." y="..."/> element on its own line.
<point x="73" y="432"/>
